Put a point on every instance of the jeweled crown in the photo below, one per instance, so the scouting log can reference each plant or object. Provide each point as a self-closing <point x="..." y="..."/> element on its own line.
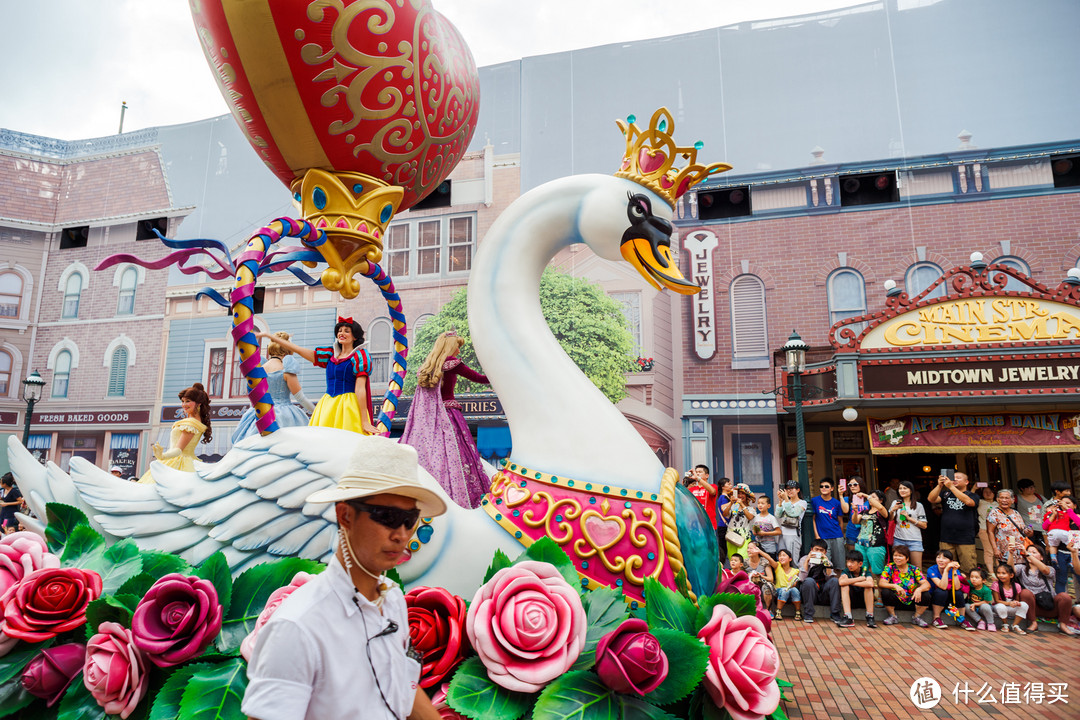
<point x="650" y="158"/>
<point x="353" y="209"/>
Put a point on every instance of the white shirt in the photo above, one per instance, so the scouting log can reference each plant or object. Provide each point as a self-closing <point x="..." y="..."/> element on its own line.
<point x="310" y="660"/>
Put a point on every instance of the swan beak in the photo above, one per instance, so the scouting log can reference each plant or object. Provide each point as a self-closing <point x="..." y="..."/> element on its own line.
<point x="656" y="266"/>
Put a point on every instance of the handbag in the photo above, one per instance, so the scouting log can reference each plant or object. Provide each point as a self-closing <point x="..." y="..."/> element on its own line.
<point x="1028" y="542"/>
<point x="1044" y="599"/>
<point x="734" y="537"/>
<point x="789" y="522"/>
<point x="890" y="531"/>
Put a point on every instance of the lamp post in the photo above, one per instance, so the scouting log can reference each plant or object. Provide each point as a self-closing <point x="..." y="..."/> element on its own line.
<point x="32" y="387"/>
<point x="795" y="355"/>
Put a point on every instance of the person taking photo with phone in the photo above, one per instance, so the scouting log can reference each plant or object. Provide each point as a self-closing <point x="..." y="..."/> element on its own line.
<point x="959" y="517"/>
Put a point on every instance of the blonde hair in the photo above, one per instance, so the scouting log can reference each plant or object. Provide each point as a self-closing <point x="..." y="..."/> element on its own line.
<point x="276" y="351"/>
<point x="430" y="373"/>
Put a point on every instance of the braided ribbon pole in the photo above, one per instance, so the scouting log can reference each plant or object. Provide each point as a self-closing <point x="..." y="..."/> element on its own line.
<point x="249" y="265"/>
<point x="401" y="343"/>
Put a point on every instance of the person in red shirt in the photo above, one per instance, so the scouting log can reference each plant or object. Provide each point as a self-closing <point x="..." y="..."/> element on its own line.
<point x="700" y="487"/>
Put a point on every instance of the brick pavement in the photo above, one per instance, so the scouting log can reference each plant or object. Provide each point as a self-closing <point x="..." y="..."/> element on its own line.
<point x="861" y="673"/>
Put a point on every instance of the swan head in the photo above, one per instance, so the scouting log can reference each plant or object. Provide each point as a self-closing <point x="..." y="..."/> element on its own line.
<point x="622" y="220"/>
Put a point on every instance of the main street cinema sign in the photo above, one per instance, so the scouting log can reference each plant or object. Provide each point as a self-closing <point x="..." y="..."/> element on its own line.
<point x="980" y="340"/>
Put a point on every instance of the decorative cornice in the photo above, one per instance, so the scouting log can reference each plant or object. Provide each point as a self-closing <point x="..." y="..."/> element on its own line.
<point x="45" y="147"/>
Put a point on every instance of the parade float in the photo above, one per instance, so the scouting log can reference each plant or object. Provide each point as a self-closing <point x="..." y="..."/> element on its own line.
<point x="584" y="586"/>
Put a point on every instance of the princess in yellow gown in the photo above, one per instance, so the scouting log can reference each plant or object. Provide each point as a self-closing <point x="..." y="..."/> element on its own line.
<point x="186" y="432"/>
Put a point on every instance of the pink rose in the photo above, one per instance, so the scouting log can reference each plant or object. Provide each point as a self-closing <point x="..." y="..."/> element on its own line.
<point x="740" y="583"/>
<point x="527" y="625"/>
<point x="177" y="619"/>
<point x="21" y="553"/>
<point x="276" y="598"/>
<point x="743" y="662"/>
<point x="629" y="659"/>
<point x="48" y="602"/>
<point x="49" y="674"/>
<point x="115" y="671"/>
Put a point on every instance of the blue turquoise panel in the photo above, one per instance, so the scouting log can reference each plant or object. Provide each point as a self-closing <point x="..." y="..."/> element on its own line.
<point x="697" y="539"/>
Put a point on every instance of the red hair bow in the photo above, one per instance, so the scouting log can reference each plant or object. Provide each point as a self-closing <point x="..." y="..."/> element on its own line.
<point x="345" y="320"/>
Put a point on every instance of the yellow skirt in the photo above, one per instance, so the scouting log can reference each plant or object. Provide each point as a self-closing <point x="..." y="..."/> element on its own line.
<point x="180" y="462"/>
<point x="341" y="411"/>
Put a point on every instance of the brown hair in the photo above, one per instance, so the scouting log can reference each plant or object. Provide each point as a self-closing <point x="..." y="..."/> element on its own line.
<point x="276" y="351"/>
<point x="446" y="345"/>
<point x="197" y="394"/>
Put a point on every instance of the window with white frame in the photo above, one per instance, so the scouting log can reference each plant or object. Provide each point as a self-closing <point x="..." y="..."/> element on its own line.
<point x="118" y="372"/>
<point x="238" y="384"/>
<point x="846" y="292"/>
<point x="126" y="302"/>
<point x="431" y="246"/>
<point x="72" y="294"/>
<point x="921" y="276"/>
<point x="61" y="374"/>
<point x="215" y="372"/>
<point x="11" y="289"/>
<point x="749" y="337"/>
<point x="630" y="303"/>
<point x="6" y="363"/>
<point x="1014" y="263"/>
<point x="380" y="350"/>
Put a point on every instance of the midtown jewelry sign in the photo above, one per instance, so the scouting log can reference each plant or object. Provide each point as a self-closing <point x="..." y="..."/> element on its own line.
<point x="1008" y="432"/>
<point x="1000" y="375"/>
<point x="977" y="321"/>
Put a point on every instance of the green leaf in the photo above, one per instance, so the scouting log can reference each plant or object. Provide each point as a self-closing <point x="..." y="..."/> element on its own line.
<point x="634" y="709"/>
<point x="499" y="561"/>
<point x="547" y="550"/>
<point x="216" y="570"/>
<point x="137" y="585"/>
<point x="666" y="608"/>
<point x="688" y="659"/>
<point x="82" y="542"/>
<point x="167" y="701"/>
<point x="249" y="595"/>
<point x="577" y="695"/>
<point x="62" y="520"/>
<point x="395" y="576"/>
<point x="79" y="704"/>
<point x="116" y="564"/>
<point x="702" y="707"/>
<point x="682" y="584"/>
<point x="107" y="608"/>
<point x="12" y="664"/>
<point x="740" y="603"/>
<point x="13" y="697"/>
<point x="783" y="683"/>
<point x="158" y="564"/>
<point x="214" y="692"/>
<point x="605" y="609"/>
<point x="472" y="693"/>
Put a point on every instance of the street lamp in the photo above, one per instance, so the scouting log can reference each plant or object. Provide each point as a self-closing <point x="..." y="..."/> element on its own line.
<point x="795" y="353"/>
<point x="32" y="386"/>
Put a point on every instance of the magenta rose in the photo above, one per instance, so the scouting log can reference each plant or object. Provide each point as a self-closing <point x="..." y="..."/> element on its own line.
<point x="437" y="631"/>
<point x="740" y="583"/>
<point x="743" y="662"/>
<point x="21" y="553"/>
<point x="48" y="602"/>
<point x="49" y="674"/>
<point x="247" y="647"/>
<point x="115" y="672"/>
<point x="177" y="619"/>
<point x="629" y="659"/>
<point x="527" y="625"/>
<point x="438" y="700"/>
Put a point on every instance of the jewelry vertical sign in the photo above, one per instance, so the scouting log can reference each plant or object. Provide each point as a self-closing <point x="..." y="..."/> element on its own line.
<point x="700" y="245"/>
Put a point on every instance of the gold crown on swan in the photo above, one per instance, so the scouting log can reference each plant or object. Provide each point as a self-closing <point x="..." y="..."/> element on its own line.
<point x="650" y="158"/>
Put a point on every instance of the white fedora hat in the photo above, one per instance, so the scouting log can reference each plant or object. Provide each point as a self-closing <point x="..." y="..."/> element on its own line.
<point x="380" y="465"/>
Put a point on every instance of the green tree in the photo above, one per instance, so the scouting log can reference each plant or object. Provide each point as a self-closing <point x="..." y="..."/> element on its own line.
<point x="589" y="326"/>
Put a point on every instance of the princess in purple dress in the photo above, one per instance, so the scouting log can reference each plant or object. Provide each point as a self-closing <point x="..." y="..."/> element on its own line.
<point x="437" y="429"/>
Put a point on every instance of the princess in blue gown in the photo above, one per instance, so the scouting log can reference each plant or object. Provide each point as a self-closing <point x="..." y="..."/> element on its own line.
<point x="282" y="369"/>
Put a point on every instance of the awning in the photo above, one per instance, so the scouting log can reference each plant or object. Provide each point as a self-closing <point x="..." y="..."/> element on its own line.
<point x="493" y="441"/>
<point x="124" y="441"/>
<point x="988" y="433"/>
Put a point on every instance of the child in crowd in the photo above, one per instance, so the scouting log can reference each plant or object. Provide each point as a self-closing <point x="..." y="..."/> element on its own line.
<point x="1007" y="602"/>
<point x="856" y="574"/>
<point x="945" y="580"/>
<point x="980" y="602"/>
<point x="786" y="576"/>
<point x="759" y="566"/>
<point x="736" y="565"/>
<point x="1059" y="531"/>
<point x="766" y="527"/>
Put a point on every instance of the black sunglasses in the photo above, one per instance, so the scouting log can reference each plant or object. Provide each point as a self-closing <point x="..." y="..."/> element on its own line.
<point x="387" y="516"/>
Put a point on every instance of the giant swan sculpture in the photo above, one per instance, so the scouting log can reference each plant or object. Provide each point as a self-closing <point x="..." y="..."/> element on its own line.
<point x="580" y="474"/>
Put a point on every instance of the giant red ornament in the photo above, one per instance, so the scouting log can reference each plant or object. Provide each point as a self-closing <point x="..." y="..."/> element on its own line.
<point x="387" y="88"/>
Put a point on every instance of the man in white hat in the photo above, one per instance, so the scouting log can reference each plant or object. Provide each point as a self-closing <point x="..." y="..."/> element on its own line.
<point x="338" y="647"/>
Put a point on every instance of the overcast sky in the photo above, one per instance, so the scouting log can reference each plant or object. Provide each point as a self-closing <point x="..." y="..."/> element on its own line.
<point x="68" y="64"/>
